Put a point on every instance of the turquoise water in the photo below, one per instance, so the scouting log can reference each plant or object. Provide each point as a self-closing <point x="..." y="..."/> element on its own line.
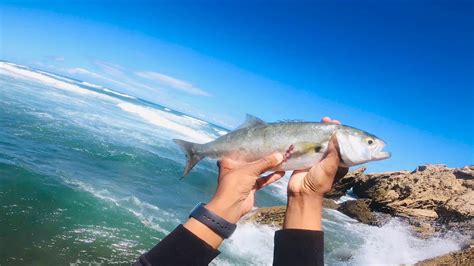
<point x="88" y="175"/>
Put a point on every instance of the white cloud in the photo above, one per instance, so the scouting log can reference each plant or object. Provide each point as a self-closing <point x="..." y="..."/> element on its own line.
<point x="56" y="58"/>
<point x="82" y="71"/>
<point x="110" y="68"/>
<point x="172" y="82"/>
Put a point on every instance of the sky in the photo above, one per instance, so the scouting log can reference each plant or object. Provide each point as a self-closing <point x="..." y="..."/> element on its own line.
<point x="403" y="70"/>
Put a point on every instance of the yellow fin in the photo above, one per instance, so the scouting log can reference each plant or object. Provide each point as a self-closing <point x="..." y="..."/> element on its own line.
<point x="306" y="147"/>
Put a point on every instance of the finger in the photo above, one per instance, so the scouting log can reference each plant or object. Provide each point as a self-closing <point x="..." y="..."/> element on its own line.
<point x="326" y="119"/>
<point x="337" y="122"/>
<point x="330" y="162"/>
<point x="265" y="163"/>
<point x="268" y="179"/>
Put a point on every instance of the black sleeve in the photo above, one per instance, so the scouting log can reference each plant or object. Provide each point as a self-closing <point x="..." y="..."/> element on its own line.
<point x="298" y="247"/>
<point x="180" y="247"/>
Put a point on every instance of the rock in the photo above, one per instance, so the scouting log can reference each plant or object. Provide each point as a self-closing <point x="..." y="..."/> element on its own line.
<point x="430" y="193"/>
<point x="418" y="213"/>
<point x="463" y="228"/>
<point x="467" y="172"/>
<point x="468" y="184"/>
<point x="463" y="257"/>
<point x="276" y="215"/>
<point x="269" y="215"/>
<point x="330" y="204"/>
<point x="359" y="210"/>
<point x="457" y="208"/>
<point x="422" y="168"/>
<point x="343" y="184"/>
<point x="424" y="230"/>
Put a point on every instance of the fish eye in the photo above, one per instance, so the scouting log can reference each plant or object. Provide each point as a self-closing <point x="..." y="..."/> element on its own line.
<point x="369" y="141"/>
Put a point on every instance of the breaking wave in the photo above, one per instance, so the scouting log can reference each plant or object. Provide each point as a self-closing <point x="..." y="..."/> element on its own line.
<point x="118" y="93"/>
<point x="169" y="121"/>
<point x="148" y="214"/>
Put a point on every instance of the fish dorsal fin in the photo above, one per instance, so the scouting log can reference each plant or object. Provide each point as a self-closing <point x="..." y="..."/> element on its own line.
<point x="251" y="121"/>
<point x="290" y="120"/>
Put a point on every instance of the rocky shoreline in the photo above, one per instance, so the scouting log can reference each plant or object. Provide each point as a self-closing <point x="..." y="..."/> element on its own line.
<point x="432" y="198"/>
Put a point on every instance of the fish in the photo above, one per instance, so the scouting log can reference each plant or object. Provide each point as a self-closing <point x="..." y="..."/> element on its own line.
<point x="302" y="143"/>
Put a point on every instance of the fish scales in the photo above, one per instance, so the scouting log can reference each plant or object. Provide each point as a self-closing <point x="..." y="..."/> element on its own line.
<point x="253" y="143"/>
<point x="305" y="143"/>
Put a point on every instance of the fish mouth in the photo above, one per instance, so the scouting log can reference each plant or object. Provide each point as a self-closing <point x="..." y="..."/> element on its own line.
<point x="382" y="155"/>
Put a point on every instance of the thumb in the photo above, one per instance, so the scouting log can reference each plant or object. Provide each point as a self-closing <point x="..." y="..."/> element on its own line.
<point x="330" y="162"/>
<point x="266" y="163"/>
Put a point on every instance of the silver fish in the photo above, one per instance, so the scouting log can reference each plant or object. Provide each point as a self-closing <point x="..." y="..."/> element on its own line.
<point x="303" y="143"/>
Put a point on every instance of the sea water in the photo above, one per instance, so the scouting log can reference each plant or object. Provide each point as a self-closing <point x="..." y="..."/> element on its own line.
<point x="90" y="175"/>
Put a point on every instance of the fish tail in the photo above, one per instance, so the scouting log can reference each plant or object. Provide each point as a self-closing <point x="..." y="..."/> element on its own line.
<point x="192" y="156"/>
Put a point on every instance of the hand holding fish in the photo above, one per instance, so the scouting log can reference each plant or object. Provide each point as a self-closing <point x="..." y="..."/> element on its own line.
<point x="235" y="193"/>
<point x="318" y="179"/>
<point x="306" y="188"/>
<point x="237" y="184"/>
<point x="318" y="152"/>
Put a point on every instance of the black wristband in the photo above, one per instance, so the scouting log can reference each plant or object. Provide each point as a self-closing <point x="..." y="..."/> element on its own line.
<point x="217" y="224"/>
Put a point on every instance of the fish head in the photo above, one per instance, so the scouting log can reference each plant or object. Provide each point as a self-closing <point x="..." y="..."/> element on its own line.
<point x="358" y="147"/>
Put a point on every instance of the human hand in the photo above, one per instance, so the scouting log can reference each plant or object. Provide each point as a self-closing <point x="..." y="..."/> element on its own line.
<point x="237" y="184"/>
<point x="306" y="188"/>
<point x="318" y="179"/>
<point x="235" y="193"/>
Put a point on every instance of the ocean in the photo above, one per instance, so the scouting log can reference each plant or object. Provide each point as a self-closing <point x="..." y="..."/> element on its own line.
<point x="90" y="175"/>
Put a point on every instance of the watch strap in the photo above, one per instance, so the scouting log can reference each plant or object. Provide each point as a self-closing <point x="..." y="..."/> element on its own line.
<point x="216" y="223"/>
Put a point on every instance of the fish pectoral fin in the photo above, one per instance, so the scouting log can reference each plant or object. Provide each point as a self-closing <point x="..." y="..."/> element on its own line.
<point x="301" y="148"/>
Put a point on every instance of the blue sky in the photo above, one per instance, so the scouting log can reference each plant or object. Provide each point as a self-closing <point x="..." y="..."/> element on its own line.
<point x="402" y="70"/>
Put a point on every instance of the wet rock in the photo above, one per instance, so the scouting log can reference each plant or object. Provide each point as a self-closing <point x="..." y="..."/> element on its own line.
<point x="330" y="204"/>
<point x="463" y="257"/>
<point x="458" y="208"/>
<point x="431" y="192"/>
<point x="423" y="229"/>
<point x="467" y="172"/>
<point x="343" y="184"/>
<point x="359" y="210"/>
<point x="276" y="215"/>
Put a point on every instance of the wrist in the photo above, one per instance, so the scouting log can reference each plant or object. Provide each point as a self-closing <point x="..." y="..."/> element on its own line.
<point x="230" y="211"/>
<point x="203" y="232"/>
<point x="304" y="212"/>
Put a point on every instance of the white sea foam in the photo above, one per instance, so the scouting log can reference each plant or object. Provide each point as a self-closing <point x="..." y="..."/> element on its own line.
<point x="221" y="132"/>
<point x="348" y="196"/>
<point x="167" y="109"/>
<point x="250" y="244"/>
<point x="118" y="93"/>
<point x="391" y="244"/>
<point x="54" y="76"/>
<point x="91" y="85"/>
<point x="148" y="214"/>
<point x="168" y="121"/>
<point x="23" y="73"/>
<point x="195" y="120"/>
<point x="394" y="244"/>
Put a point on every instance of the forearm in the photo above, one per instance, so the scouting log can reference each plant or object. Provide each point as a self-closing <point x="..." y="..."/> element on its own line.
<point x="180" y="247"/>
<point x="204" y="233"/>
<point x="191" y="243"/>
<point x="301" y="240"/>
